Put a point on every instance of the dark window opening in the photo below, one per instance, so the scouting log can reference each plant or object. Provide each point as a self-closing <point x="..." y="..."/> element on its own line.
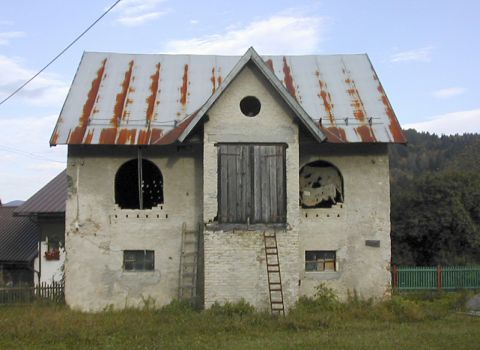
<point x="138" y="260"/>
<point x="138" y="187"/>
<point x="250" y="106"/>
<point x="321" y="185"/>
<point x="251" y="184"/>
<point x="320" y="260"/>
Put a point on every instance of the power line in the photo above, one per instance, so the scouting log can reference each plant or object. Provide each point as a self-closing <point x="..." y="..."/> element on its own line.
<point x="60" y="54"/>
<point x="30" y="155"/>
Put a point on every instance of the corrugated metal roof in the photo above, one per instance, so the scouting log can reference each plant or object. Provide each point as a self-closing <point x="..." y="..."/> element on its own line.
<point x="50" y="199"/>
<point x="146" y="99"/>
<point x="251" y="56"/>
<point x="18" y="237"/>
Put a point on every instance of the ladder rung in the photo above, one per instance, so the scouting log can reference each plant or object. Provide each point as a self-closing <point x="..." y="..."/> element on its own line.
<point x="275" y="283"/>
<point x="189" y="253"/>
<point x="276" y="302"/>
<point x="275" y="289"/>
<point x="277" y="264"/>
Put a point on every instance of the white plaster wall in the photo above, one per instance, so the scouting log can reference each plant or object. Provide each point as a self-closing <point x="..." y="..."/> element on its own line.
<point x="97" y="231"/>
<point x="235" y="261"/>
<point x="364" y="215"/>
<point x="52" y="270"/>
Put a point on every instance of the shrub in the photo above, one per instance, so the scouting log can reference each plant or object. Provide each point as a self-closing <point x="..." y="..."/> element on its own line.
<point x="240" y="308"/>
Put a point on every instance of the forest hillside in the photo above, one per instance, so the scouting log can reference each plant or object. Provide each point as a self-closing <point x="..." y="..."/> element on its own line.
<point x="435" y="195"/>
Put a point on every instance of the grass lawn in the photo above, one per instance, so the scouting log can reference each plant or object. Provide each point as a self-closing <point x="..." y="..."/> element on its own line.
<point x="401" y="323"/>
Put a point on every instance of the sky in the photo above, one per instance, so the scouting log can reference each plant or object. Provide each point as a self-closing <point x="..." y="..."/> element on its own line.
<point x="425" y="53"/>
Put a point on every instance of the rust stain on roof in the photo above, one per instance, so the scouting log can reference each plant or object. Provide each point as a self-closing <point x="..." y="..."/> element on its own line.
<point x="154" y="91"/>
<point x="366" y="133"/>
<point x="126" y="136"/>
<point x="213" y="79"/>
<point x="356" y="101"/>
<point x="108" y="136"/>
<point x="326" y="97"/>
<point x="269" y="64"/>
<point x="121" y="99"/>
<point x="144" y="137"/>
<point x="76" y="136"/>
<point x="334" y="134"/>
<point x="172" y="135"/>
<point x="89" y="137"/>
<point x="365" y="130"/>
<point x="54" y="139"/>
<point x="394" y="125"/>
<point x="184" y="89"/>
<point x="288" y="80"/>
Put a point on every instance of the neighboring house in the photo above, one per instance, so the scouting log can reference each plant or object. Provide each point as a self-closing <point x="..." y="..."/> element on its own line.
<point x="18" y="249"/>
<point x="46" y="209"/>
<point x="237" y="166"/>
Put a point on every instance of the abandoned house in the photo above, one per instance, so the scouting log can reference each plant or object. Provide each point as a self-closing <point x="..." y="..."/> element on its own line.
<point x="219" y="178"/>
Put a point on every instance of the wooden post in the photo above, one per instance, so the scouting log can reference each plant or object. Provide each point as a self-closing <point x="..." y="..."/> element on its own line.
<point x="395" y="276"/>
<point x="439" y="277"/>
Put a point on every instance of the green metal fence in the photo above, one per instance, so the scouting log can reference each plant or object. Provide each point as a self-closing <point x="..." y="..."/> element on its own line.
<point x="435" y="277"/>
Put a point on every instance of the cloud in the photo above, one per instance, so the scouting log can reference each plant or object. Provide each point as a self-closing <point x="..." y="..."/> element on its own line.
<point x="45" y="90"/>
<point x="449" y="92"/>
<point x="417" y="55"/>
<point x="450" y="123"/>
<point x="27" y="161"/>
<point x="133" y="21"/>
<point x="5" y="37"/>
<point x="279" y="34"/>
<point x="138" y="12"/>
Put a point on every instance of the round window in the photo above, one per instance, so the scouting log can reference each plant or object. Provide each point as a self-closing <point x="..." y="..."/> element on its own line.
<point x="250" y="106"/>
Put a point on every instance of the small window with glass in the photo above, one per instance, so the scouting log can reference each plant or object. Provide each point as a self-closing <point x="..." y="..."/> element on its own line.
<point x="320" y="261"/>
<point x="138" y="260"/>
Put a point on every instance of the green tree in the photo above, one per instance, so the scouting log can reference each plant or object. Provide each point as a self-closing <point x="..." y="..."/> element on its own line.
<point x="436" y="220"/>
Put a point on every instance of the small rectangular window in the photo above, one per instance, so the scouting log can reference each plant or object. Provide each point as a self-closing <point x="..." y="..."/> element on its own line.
<point x="320" y="260"/>
<point x="138" y="260"/>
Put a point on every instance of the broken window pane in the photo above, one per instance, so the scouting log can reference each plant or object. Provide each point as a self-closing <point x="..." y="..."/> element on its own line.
<point x="320" y="260"/>
<point x="321" y="185"/>
<point x="138" y="260"/>
<point x="127" y="185"/>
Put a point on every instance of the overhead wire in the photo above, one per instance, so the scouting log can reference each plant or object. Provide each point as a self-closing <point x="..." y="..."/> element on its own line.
<point x="30" y="155"/>
<point x="60" y="54"/>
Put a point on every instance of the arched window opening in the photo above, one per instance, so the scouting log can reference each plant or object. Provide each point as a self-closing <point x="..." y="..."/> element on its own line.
<point x="321" y="185"/>
<point x="138" y="185"/>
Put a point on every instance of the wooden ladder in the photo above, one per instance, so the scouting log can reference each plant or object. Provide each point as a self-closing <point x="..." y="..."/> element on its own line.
<point x="188" y="265"/>
<point x="273" y="273"/>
